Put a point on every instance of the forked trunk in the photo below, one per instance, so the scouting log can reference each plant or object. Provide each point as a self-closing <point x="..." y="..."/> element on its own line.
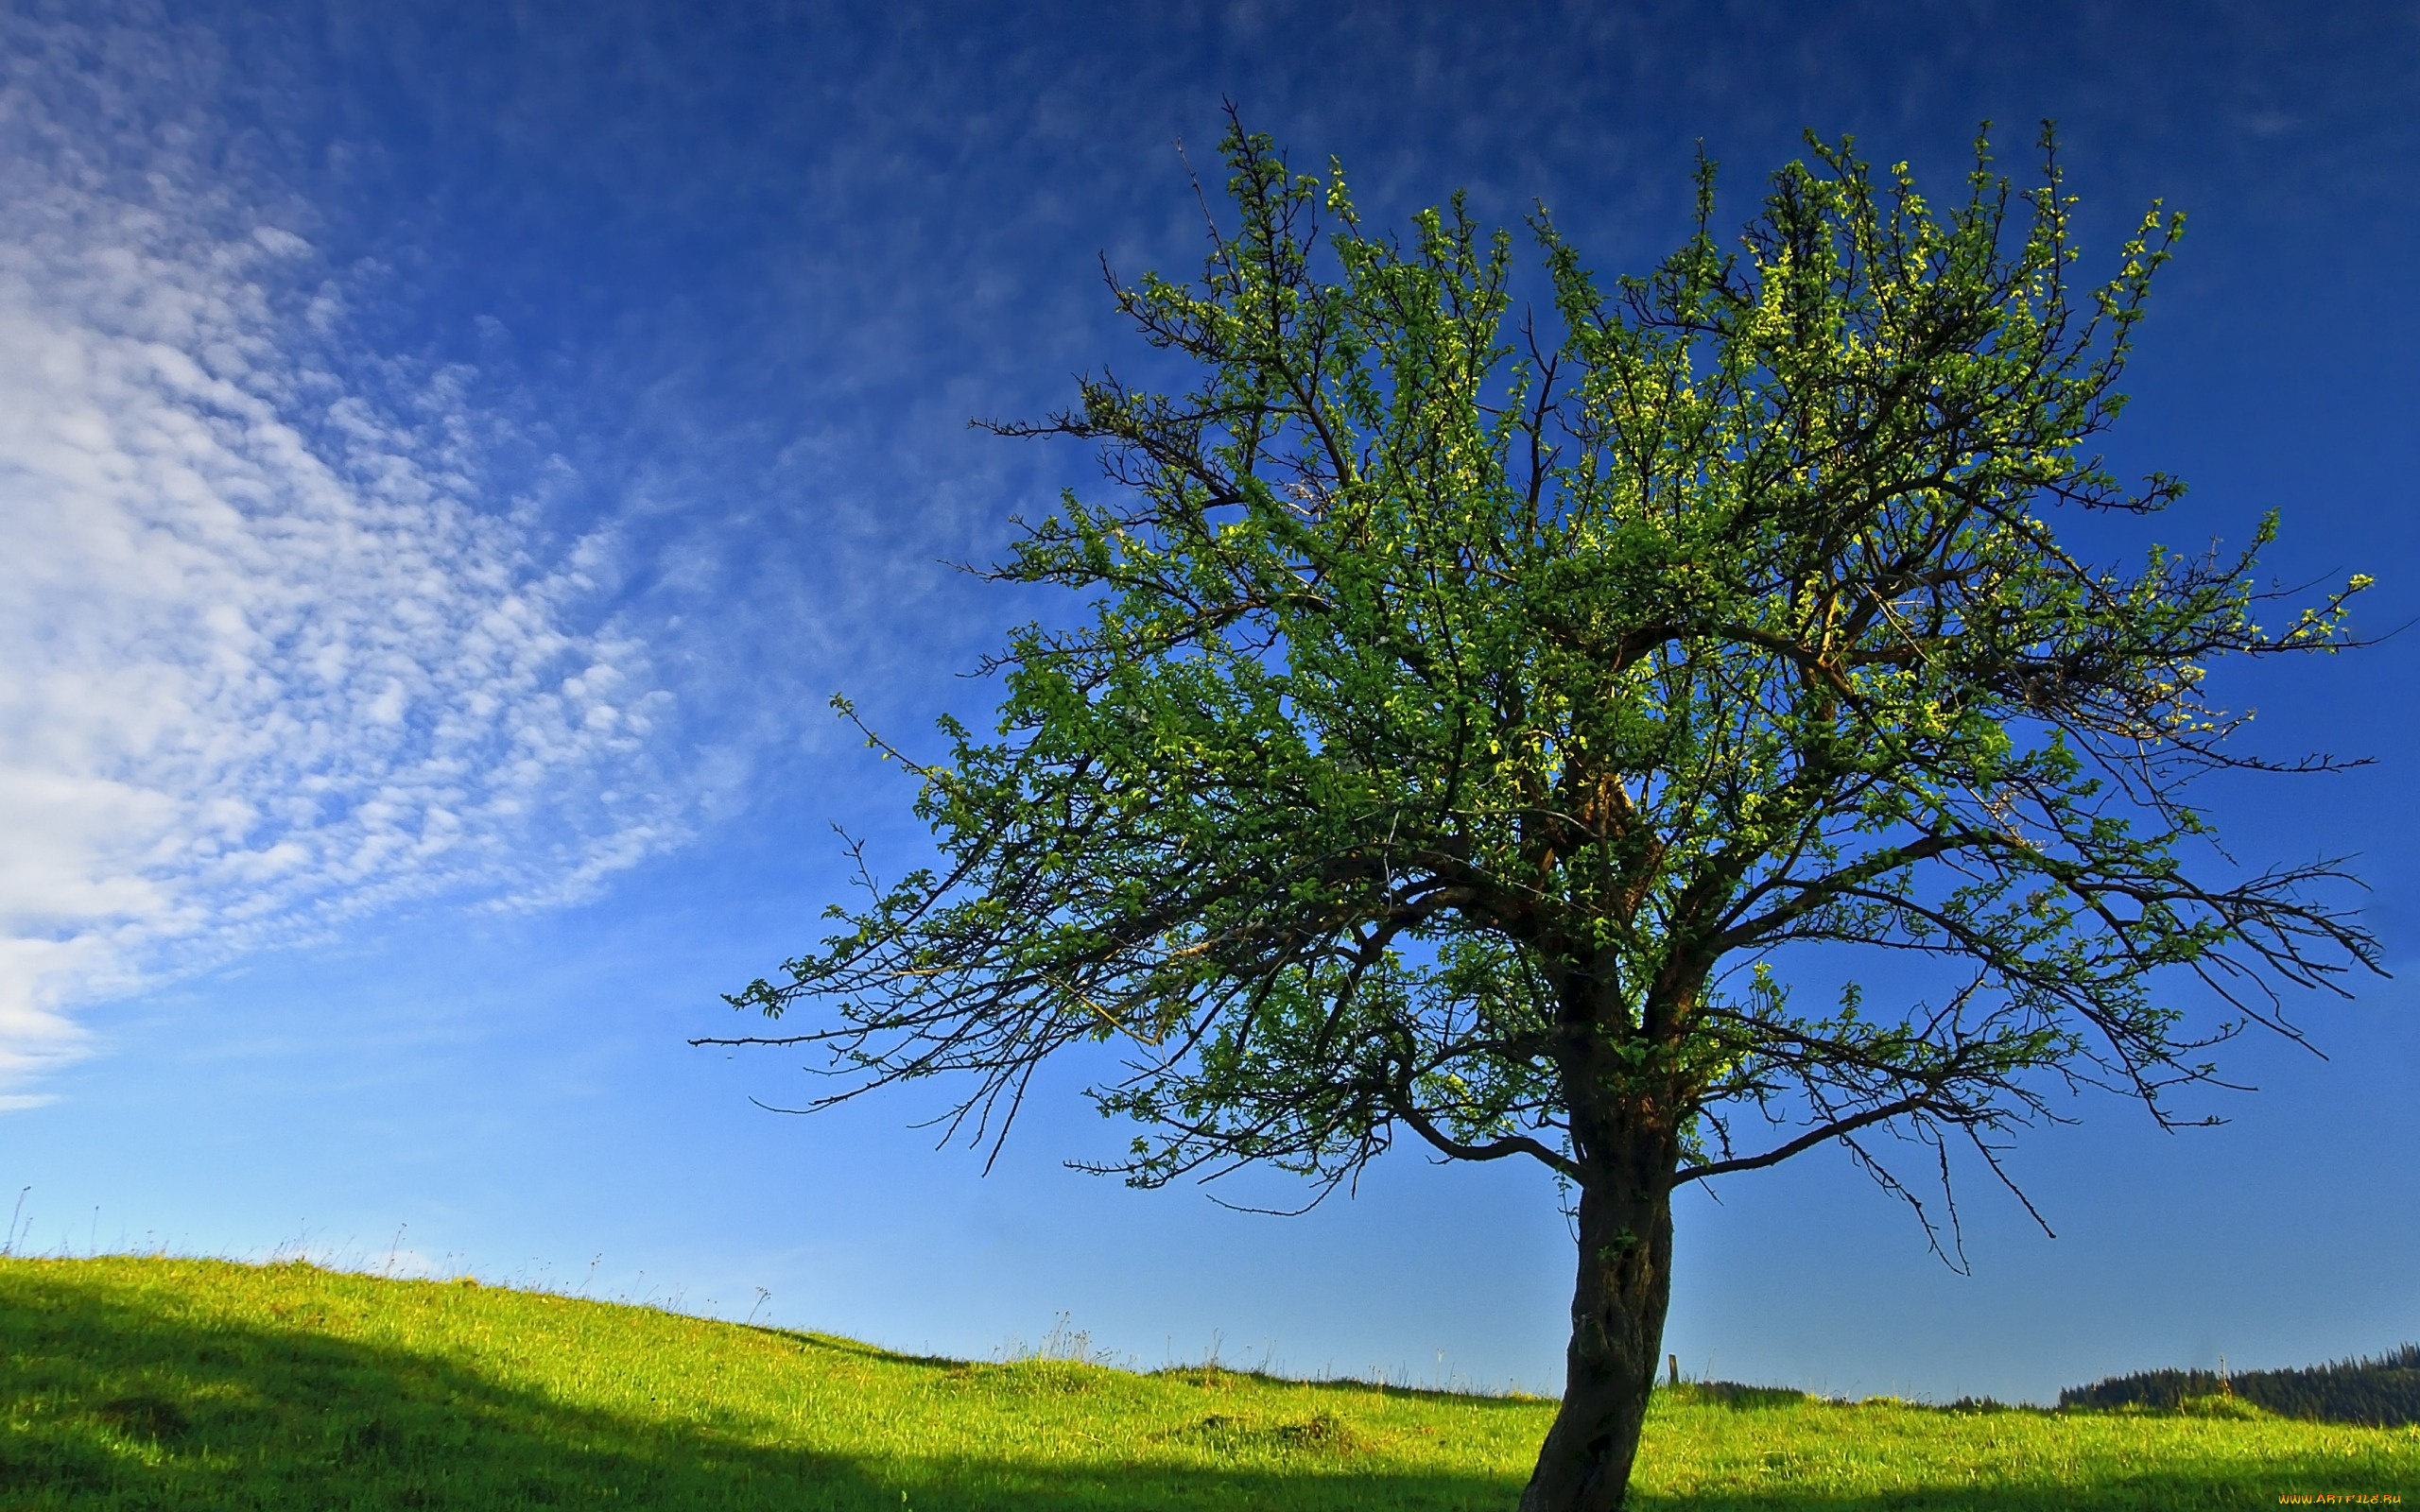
<point x="1616" y="1330"/>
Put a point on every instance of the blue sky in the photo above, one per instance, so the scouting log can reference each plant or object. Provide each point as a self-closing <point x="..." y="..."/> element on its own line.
<point x="449" y="455"/>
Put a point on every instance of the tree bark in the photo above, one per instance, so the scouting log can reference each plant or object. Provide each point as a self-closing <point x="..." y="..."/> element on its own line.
<point x="1617" y="1308"/>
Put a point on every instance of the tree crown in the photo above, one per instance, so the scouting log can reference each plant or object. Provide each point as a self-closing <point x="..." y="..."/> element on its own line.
<point x="1469" y="710"/>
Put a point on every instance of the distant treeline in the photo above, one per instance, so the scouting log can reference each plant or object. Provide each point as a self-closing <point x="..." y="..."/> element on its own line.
<point x="2384" y="1391"/>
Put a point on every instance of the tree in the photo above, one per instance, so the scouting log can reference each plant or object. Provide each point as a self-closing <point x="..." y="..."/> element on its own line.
<point x="1466" y="716"/>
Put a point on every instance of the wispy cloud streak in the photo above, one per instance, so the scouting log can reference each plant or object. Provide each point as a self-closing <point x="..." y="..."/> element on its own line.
<point x="270" y="656"/>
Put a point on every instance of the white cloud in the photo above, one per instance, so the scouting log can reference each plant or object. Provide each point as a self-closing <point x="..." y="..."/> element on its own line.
<point x="268" y="659"/>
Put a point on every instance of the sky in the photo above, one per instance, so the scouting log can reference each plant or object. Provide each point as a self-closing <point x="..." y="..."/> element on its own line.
<point x="449" y="456"/>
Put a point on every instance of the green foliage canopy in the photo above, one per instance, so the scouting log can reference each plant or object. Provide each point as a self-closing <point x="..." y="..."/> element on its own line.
<point x="1469" y="708"/>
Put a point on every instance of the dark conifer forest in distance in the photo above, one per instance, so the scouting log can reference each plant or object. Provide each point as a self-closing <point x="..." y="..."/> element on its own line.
<point x="2382" y="1392"/>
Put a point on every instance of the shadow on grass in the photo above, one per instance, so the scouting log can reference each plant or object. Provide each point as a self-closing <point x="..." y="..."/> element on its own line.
<point x="107" y="1403"/>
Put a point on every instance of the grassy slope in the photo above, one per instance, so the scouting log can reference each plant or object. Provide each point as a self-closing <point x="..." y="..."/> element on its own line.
<point x="198" y="1384"/>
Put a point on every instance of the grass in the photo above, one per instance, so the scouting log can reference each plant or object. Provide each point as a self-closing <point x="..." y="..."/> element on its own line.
<point x="190" y="1383"/>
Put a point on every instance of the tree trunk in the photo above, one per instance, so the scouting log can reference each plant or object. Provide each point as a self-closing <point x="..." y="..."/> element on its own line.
<point x="1617" y="1336"/>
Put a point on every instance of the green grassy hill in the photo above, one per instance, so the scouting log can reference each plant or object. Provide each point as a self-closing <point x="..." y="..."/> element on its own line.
<point x="187" y="1383"/>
